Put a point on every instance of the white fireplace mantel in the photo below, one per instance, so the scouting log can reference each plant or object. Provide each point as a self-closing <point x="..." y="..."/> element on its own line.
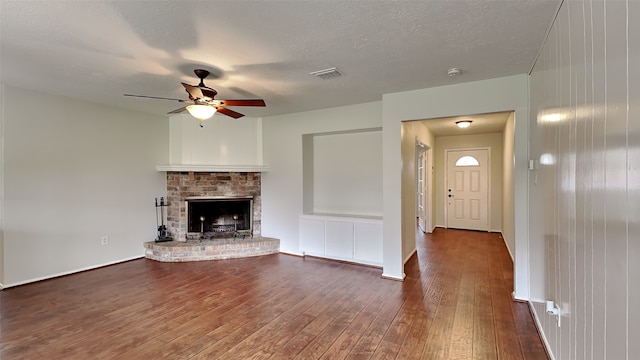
<point x="212" y="168"/>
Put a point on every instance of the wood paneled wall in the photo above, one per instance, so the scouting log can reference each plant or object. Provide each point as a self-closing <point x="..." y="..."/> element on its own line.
<point x="585" y="189"/>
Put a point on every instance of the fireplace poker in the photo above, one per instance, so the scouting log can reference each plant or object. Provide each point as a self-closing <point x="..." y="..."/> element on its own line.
<point x="162" y="229"/>
<point x="162" y="211"/>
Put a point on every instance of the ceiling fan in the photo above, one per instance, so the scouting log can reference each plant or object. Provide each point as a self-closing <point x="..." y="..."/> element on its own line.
<point x="202" y="101"/>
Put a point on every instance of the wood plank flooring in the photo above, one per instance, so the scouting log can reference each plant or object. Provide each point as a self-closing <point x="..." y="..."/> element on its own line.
<point x="455" y="303"/>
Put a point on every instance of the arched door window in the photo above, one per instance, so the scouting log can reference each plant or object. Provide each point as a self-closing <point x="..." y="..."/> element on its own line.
<point x="467" y="161"/>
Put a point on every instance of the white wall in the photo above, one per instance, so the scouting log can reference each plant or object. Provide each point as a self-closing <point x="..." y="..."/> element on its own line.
<point x="282" y="185"/>
<point x="2" y="117"/>
<point x="347" y="173"/>
<point x="492" y="141"/>
<point x="221" y="141"/>
<point x="586" y="183"/>
<point x="508" y="184"/>
<point x="502" y="94"/>
<point x="73" y="172"/>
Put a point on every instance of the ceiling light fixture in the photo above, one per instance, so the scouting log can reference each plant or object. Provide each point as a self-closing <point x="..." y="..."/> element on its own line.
<point x="201" y="112"/>
<point x="463" y="124"/>
<point x="453" y="72"/>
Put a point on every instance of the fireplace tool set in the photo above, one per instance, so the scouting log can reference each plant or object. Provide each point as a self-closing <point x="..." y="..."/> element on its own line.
<point x="162" y="229"/>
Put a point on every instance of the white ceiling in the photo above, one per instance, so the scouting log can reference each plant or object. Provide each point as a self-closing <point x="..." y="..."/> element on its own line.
<point x="99" y="50"/>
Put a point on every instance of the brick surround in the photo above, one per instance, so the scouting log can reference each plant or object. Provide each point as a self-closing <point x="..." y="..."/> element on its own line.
<point x="181" y="185"/>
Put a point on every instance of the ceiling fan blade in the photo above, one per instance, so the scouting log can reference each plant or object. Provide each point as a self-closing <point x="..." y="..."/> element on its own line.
<point x="153" y="97"/>
<point x="246" y="102"/>
<point x="184" y="108"/>
<point x="229" y="112"/>
<point x="194" y="91"/>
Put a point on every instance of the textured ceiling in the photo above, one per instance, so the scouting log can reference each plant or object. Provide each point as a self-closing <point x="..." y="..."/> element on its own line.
<point x="99" y="50"/>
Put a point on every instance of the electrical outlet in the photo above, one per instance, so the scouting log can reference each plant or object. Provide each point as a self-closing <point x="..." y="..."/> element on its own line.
<point x="105" y="240"/>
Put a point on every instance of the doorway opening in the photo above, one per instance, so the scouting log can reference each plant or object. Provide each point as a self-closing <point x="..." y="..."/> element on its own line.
<point x="494" y="131"/>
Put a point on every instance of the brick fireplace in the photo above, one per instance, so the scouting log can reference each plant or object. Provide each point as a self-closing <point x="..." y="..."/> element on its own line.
<point x="183" y="186"/>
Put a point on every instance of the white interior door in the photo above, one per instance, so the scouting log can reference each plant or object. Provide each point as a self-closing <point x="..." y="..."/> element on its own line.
<point x="468" y="189"/>
<point x="421" y="191"/>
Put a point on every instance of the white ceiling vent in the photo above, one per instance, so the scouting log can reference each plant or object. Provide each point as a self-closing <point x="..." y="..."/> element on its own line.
<point x="326" y="73"/>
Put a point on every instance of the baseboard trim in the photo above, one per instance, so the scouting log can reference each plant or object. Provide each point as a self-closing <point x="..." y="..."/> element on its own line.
<point x="518" y="299"/>
<point x="536" y="320"/>
<point x="504" y="240"/>
<point x="394" y="278"/>
<point x="414" y="252"/>
<point x="292" y="253"/>
<point x="71" y="272"/>
<point x="342" y="261"/>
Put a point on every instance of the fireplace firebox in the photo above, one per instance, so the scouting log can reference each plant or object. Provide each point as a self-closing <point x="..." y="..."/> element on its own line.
<point x="219" y="217"/>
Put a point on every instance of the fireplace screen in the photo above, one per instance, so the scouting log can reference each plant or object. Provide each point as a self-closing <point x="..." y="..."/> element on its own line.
<point x="219" y="217"/>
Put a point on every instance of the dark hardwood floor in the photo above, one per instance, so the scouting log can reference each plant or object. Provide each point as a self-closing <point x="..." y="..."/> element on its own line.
<point x="454" y="304"/>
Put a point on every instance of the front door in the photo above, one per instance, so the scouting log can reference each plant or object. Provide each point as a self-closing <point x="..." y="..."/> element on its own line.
<point x="467" y="192"/>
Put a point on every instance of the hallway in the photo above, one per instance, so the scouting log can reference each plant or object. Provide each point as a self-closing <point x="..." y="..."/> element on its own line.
<point x="466" y="278"/>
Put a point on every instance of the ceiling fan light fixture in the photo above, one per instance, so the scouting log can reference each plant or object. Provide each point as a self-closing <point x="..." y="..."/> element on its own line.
<point x="201" y="112"/>
<point x="463" y="124"/>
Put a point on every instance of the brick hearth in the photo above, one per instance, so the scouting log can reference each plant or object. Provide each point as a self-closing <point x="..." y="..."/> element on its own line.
<point x="218" y="249"/>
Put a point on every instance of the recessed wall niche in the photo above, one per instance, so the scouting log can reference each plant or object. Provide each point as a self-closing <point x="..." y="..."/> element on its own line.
<point x="342" y="173"/>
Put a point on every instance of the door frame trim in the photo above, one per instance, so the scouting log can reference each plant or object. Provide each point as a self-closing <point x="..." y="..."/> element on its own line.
<point x="428" y="179"/>
<point x="446" y="182"/>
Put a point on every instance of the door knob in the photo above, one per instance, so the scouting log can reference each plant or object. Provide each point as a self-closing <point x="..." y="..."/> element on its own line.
<point x="450" y="195"/>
